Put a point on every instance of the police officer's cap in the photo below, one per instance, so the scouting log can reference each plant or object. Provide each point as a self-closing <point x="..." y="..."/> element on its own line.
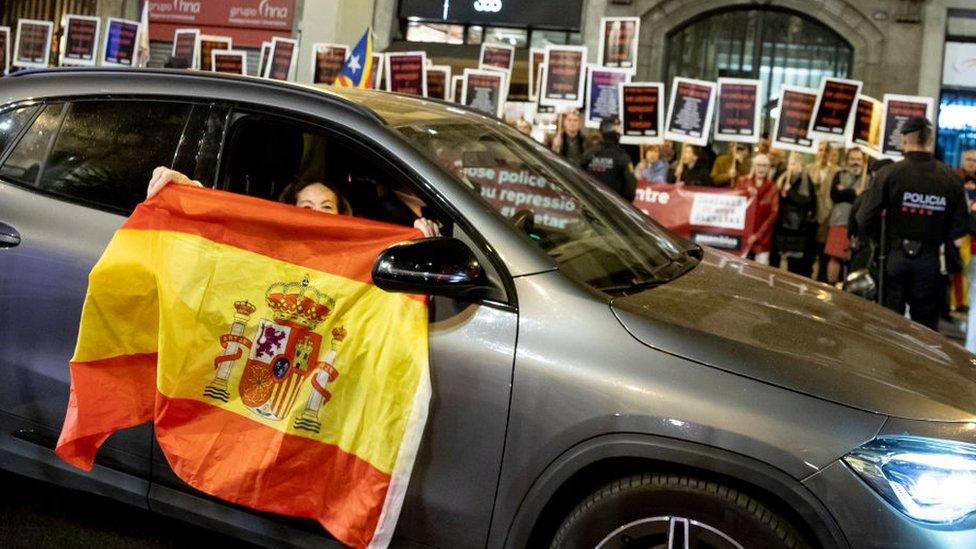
<point x="915" y="124"/>
<point x="609" y="124"/>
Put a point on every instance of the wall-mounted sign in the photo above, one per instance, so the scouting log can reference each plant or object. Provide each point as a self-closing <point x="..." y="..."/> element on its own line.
<point x="618" y="42"/>
<point x="795" y="113"/>
<point x="602" y="93"/>
<point x="739" y="110"/>
<point x="186" y="46"/>
<point x="898" y="109"/>
<point x="642" y="113"/>
<point x="79" y="41"/>
<point x="833" y="114"/>
<point x="229" y="61"/>
<point x="690" y="111"/>
<point x="327" y="61"/>
<point x="406" y="72"/>
<point x="32" y="46"/>
<point x="558" y="14"/>
<point x="562" y="81"/>
<point x="282" y="56"/>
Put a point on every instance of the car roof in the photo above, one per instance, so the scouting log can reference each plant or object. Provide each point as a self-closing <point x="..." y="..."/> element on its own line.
<point x="388" y="108"/>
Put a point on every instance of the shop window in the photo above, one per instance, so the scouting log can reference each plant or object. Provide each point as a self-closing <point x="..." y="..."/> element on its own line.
<point x="506" y="35"/>
<point x="476" y="33"/>
<point x="541" y="38"/>
<point x="435" y="32"/>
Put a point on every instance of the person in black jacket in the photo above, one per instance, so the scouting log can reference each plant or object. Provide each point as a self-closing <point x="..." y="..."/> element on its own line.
<point x="795" y="234"/>
<point x="569" y="142"/>
<point x="691" y="168"/>
<point x="925" y="210"/>
<point x="610" y="163"/>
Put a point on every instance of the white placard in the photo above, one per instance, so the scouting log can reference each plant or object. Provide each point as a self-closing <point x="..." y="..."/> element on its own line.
<point x="678" y="125"/>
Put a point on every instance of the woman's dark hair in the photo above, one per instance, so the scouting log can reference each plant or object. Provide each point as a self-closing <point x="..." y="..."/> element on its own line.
<point x="290" y="194"/>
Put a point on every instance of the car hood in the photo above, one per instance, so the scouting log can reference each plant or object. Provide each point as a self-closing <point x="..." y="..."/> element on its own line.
<point x="804" y="336"/>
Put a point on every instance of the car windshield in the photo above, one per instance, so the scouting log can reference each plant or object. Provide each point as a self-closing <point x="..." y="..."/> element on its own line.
<point x="593" y="235"/>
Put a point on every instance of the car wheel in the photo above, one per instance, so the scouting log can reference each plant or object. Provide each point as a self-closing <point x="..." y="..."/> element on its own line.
<point x="673" y="511"/>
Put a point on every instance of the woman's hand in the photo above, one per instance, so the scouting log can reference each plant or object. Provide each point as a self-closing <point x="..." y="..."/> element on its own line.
<point x="163" y="176"/>
<point x="428" y="227"/>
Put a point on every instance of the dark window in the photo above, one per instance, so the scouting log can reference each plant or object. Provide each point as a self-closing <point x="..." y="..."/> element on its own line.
<point x="25" y="160"/>
<point x="11" y="122"/>
<point x="105" y="151"/>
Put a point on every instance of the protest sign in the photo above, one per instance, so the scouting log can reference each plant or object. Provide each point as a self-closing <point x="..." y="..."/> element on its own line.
<point x="833" y="113"/>
<point x="32" y="45"/>
<point x="186" y="45"/>
<point x="795" y="112"/>
<point x="210" y="43"/>
<point x="739" y="110"/>
<point x="867" y="125"/>
<point x="457" y="86"/>
<point x="327" y="61"/>
<point x="897" y="110"/>
<point x="406" y="72"/>
<point x="282" y="55"/>
<point x="497" y="56"/>
<point x="690" y="111"/>
<point x="438" y="81"/>
<point x="4" y="50"/>
<point x="618" y="42"/>
<point x="562" y="81"/>
<point x="121" y="42"/>
<point x="229" y="61"/>
<point x="537" y="56"/>
<point x="376" y="76"/>
<point x="602" y="93"/>
<point x="265" y="55"/>
<point x="79" y="41"/>
<point x="485" y="90"/>
<point x="642" y="113"/>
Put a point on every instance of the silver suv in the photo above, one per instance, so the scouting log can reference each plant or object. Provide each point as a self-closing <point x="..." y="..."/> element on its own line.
<point x="598" y="381"/>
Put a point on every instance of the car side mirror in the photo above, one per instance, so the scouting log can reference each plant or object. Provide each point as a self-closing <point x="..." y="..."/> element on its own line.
<point x="861" y="283"/>
<point x="441" y="266"/>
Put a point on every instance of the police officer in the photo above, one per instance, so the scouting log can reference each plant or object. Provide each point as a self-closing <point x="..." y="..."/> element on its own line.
<point x="925" y="210"/>
<point x="610" y="163"/>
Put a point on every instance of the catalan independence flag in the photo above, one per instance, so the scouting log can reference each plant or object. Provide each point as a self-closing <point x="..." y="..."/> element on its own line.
<point x="357" y="71"/>
<point x="277" y="375"/>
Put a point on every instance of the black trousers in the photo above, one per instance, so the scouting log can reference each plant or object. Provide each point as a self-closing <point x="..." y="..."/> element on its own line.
<point x="916" y="282"/>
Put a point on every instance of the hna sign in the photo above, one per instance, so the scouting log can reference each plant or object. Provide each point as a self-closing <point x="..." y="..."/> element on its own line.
<point x="490" y="6"/>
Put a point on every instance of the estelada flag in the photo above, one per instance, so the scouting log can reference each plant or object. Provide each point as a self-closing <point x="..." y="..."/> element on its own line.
<point x="357" y="71"/>
<point x="277" y="375"/>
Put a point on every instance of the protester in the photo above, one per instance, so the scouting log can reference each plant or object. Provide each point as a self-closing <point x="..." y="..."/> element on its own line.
<point x="795" y="236"/>
<point x="652" y="168"/>
<point x="569" y="142"/>
<point x="959" y="295"/>
<point x="821" y="172"/>
<point x="729" y="167"/>
<point x="523" y="126"/>
<point x="691" y="168"/>
<point x="778" y="160"/>
<point x="312" y="195"/>
<point x="925" y="209"/>
<point x="764" y="191"/>
<point x="668" y="154"/>
<point x="765" y="145"/>
<point x="847" y="184"/>
<point x="865" y="247"/>
<point x="610" y="163"/>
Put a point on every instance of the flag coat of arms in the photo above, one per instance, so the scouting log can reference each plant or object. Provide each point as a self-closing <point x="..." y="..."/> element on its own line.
<point x="357" y="71"/>
<point x="277" y="375"/>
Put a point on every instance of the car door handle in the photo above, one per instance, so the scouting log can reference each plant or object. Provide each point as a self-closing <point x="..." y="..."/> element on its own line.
<point x="9" y="237"/>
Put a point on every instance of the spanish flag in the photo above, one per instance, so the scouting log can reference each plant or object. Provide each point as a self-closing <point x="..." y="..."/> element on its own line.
<point x="277" y="375"/>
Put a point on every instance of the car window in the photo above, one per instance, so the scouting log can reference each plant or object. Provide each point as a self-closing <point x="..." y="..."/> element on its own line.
<point x="105" y="151"/>
<point x="11" y="122"/>
<point x="24" y="163"/>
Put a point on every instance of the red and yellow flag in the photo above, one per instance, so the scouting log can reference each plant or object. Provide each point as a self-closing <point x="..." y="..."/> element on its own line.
<point x="277" y="375"/>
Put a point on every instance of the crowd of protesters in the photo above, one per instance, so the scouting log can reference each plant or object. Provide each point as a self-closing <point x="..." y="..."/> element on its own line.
<point x="805" y="204"/>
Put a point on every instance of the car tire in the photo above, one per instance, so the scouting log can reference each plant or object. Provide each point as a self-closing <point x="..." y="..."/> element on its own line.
<point x="646" y="510"/>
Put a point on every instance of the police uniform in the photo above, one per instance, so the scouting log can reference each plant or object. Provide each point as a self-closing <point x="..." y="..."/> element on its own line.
<point x="610" y="163"/>
<point x="926" y="209"/>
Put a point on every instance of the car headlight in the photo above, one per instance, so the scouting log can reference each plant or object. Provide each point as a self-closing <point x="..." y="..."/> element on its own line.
<point x="928" y="480"/>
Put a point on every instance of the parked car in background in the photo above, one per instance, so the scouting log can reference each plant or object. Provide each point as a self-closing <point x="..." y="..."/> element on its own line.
<point x="601" y="383"/>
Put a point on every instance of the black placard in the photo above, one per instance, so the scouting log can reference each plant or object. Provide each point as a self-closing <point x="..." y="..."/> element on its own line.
<point x="641" y="112"/>
<point x="33" y="48"/>
<point x="897" y="111"/>
<point x="795" y="112"/>
<point x="563" y="77"/>
<point x="497" y="57"/>
<point x="281" y="58"/>
<point x="80" y="41"/>
<point x="618" y="48"/>
<point x="737" y="111"/>
<point x="329" y="59"/>
<point x="405" y="73"/>
<point x="484" y="90"/>
<point x="834" y="108"/>
<point x="867" y="124"/>
<point x="4" y="50"/>
<point x="229" y="62"/>
<point x="690" y="111"/>
<point x="185" y="43"/>
<point x="210" y="43"/>
<point x="437" y="83"/>
<point x="562" y="14"/>
<point x="121" y="42"/>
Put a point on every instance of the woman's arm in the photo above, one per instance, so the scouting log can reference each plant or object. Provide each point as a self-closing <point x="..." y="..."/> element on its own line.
<point x="163" y="176"/>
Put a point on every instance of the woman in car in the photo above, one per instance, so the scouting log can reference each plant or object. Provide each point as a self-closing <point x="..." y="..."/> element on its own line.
<point x="312" y="195"/>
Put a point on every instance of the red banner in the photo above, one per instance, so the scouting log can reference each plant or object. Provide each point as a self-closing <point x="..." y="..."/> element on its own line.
<point x="720" y="218"/>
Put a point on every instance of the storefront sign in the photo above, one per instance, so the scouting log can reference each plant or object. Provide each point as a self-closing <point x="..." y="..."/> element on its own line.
<point x="562" y="81"/>
<point x="642" y="113"/>
<point x="4" y="50"/>
<point x="537" y="56"/>
<point x="603" y="93"/>
<point x="867" y="125"/>
<point x="32" y="46"/>
<point x="186" y="46"/>
<point x="720" y="218"/>
<point x="833" y="113"/>
<point x="485" y="90"/>
<point x="618" y="42"/>
<point x="282" y="56"/>
<point x="79" y="43"/>
<point x="959" y="67"/>
<point x="438" y="81"/>
<point x="327" y="62"/>
<point x="497" y="56"/>
<point x="248" y="22"/>
<point x="690" y="111"/>
<point x="795" y="113"/>
<point x="229" y="61"/>
<point x="406" y="72"/>
<point x="121" y="42"/>
<point x="559" y="14"/>
<point x="739" y="110"/>
<point x="897" y="110"/>
<point x="210" y="43"/>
